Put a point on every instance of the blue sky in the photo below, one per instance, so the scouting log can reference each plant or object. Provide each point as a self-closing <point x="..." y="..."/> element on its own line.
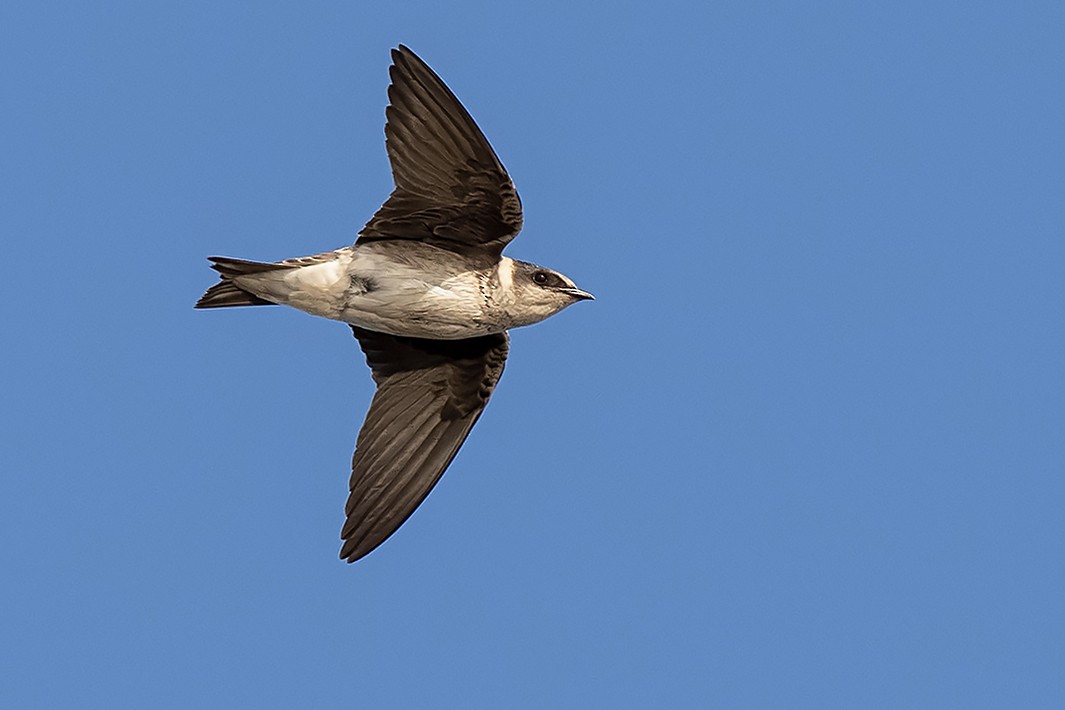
<point x="805" y="450"/>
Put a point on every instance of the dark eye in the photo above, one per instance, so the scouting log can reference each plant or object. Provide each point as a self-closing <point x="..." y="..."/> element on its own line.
<point x="540" y="277"/>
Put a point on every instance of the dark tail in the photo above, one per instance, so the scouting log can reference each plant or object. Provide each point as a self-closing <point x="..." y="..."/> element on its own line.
<point x="225" y="293"/>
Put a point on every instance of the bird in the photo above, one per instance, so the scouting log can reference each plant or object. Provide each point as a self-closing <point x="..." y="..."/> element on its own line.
<point x="428" y="295"/>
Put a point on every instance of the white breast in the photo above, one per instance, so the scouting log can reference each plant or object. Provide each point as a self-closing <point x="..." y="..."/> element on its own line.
<point x="373" y="289"/>
<point x="402" y="302"/>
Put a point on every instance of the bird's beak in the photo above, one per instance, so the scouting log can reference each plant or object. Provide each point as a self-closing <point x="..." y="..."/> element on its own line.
<point x="578" y="294"/>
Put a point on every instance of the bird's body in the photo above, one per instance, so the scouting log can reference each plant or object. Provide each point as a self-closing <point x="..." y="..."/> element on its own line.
<point x="410" y="289"/>
<point x="427" y="293"/>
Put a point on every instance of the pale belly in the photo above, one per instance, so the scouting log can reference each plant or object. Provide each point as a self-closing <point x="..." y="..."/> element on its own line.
<point x="369" y="290"/>
<point x="417" y="310"/>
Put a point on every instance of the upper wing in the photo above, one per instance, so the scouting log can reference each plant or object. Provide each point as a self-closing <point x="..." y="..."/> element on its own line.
<point x="451" y="188"/>
<point x="429" y="394"/>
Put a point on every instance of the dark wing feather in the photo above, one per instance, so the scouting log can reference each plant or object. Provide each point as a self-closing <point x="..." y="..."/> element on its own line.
<point x="429" y="395"/>
<point x="451" y="189"/>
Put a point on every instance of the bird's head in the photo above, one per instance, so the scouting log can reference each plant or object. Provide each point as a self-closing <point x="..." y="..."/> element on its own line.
<point x="535" y="292"/>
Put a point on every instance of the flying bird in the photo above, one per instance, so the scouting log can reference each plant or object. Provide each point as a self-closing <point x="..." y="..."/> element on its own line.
<point x="427" y="293"/>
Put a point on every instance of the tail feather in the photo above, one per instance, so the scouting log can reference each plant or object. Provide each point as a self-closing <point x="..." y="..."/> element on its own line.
<point x="230" y="267"/>
<point x="225" y="293"/>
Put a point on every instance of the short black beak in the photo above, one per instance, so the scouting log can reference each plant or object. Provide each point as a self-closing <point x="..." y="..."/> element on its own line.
<point x="578" y="294"/>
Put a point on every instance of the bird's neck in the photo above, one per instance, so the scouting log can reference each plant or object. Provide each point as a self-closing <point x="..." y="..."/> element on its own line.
<point x="505" y="276"/>
<point x="501" y="296"/>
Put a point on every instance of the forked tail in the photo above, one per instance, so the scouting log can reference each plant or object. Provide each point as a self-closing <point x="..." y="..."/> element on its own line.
<point x="225" y="293"/>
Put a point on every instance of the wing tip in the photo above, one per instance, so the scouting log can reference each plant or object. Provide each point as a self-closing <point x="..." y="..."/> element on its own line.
<point x="402" y="54"/>
<point x="352" y="554"/>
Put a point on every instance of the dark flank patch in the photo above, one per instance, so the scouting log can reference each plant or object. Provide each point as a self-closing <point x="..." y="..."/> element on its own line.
<point x="362" y="284"/>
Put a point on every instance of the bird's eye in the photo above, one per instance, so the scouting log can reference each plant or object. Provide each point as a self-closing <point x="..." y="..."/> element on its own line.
<point x="540" y="277"/>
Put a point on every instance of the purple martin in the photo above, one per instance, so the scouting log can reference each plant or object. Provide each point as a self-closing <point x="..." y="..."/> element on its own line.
<point x="427" y="293"/>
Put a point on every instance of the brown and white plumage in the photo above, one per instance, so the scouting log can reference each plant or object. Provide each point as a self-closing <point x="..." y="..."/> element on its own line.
<point x="427" y="293"/>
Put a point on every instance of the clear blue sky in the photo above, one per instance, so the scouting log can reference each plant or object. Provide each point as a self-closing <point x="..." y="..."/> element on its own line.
<point x="806" y="449"/>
